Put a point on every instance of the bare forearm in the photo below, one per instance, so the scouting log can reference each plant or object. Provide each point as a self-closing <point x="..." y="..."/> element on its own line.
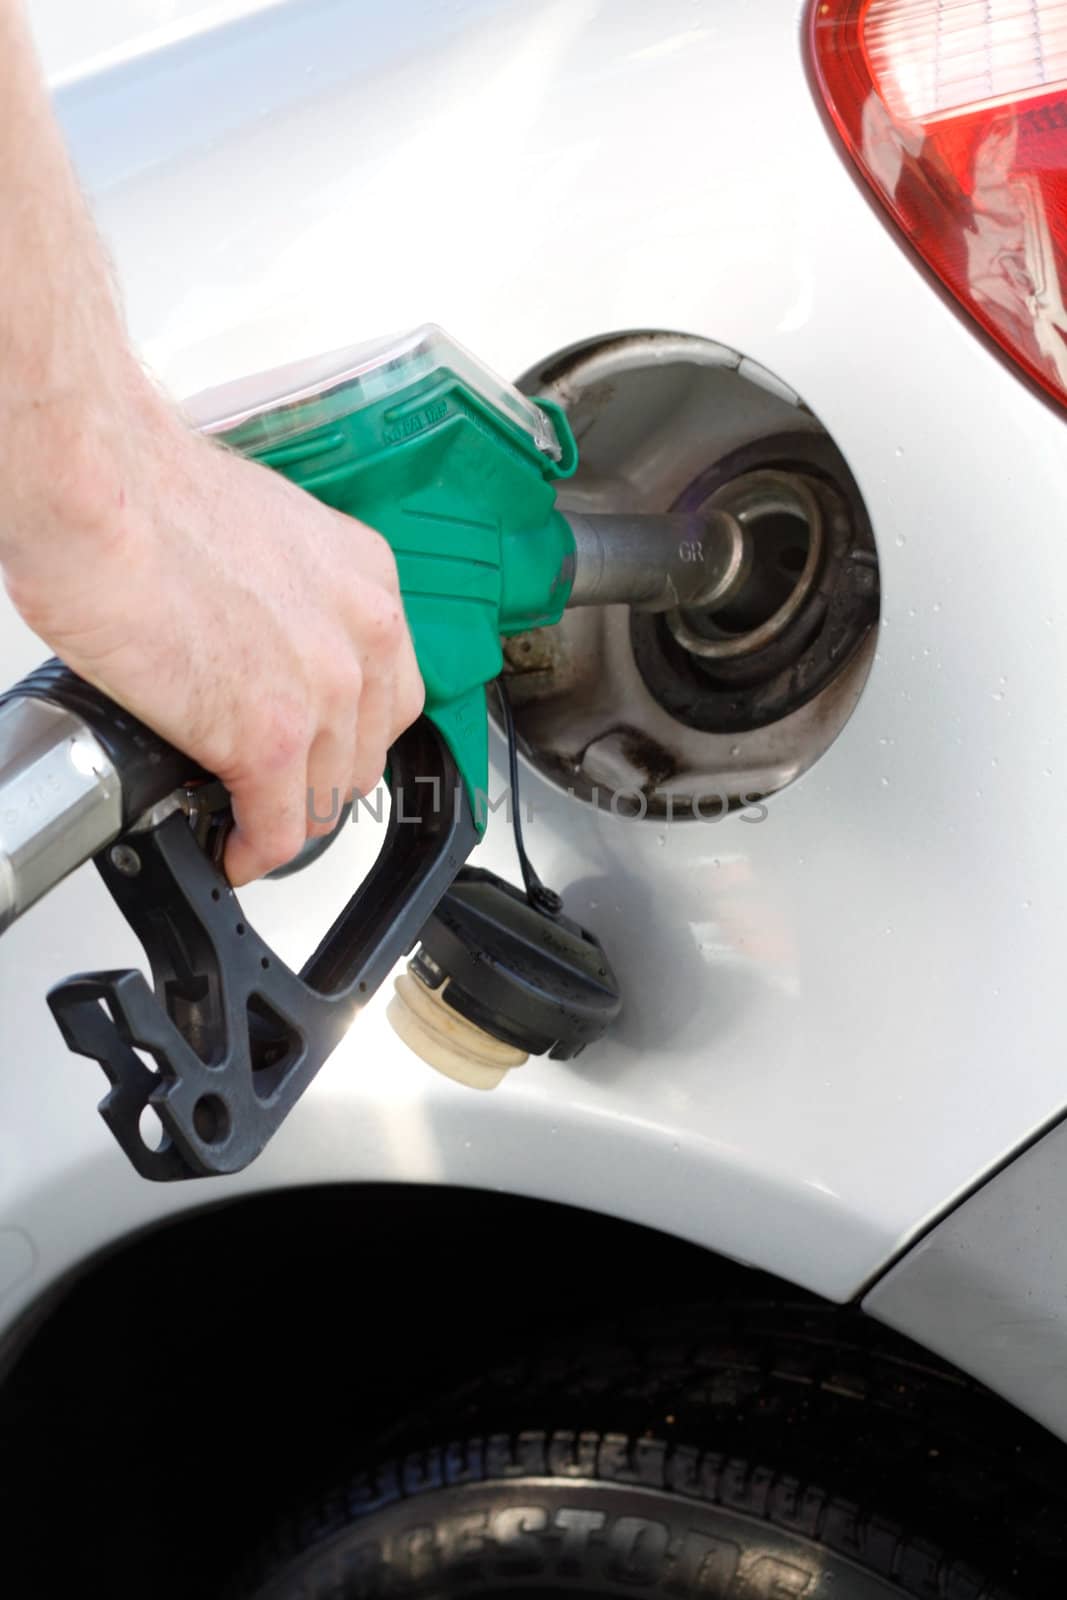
<point x="66" y="357"/>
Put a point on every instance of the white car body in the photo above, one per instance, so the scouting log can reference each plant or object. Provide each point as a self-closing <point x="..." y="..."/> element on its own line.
<point x="842" y="1020"/>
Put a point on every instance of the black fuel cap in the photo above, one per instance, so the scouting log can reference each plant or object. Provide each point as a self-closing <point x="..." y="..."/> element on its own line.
<point x="537" y="981"/>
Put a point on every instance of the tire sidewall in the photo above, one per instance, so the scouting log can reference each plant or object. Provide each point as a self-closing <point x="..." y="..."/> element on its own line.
<point x="585" y="1537"/>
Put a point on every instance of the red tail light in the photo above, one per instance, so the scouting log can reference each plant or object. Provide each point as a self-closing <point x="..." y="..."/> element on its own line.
<point x="955" y="111"/>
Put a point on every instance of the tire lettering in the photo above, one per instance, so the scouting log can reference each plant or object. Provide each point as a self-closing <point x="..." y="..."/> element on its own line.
<point x="577" y="1527"/>
<point x="704" y="1562"/>
<point x="464" y="1543"/>
<point x="636" y="1548"/>
<point x="513" y="1531"/>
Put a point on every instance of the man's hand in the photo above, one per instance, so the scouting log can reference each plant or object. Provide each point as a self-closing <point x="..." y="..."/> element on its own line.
<point x="254" y="628"/>
<point x="258" y="631"/>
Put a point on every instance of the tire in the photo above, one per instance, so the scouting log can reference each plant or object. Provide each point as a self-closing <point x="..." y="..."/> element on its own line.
<point x="594" y="1513"/>
<point x="775" y="1426"/>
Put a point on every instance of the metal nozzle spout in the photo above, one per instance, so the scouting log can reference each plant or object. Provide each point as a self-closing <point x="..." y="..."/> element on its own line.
<point x="656" y="562"/>
<point x="60" y="800"/>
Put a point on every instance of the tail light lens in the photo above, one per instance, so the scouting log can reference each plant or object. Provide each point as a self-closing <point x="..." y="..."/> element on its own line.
<point x="955" y="111"/>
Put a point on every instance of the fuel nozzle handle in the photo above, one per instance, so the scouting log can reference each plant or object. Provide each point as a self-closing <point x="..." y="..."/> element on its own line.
<point x="236" y="1035"/>
<point x="76" y="770"/>
<point x="657" y="561"/>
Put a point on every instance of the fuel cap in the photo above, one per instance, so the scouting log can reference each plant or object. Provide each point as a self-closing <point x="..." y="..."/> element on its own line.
<point x="536" y="982"/>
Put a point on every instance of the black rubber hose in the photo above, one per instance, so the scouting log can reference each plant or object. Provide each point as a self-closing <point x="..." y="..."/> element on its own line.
<point x="148" y="766"/>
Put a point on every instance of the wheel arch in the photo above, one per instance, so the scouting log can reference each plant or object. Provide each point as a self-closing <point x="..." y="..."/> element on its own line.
<point x="205" y="1373"/>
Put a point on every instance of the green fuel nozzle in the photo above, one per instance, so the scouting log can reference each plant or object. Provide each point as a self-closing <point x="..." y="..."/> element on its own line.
<point x="459" y="471"/>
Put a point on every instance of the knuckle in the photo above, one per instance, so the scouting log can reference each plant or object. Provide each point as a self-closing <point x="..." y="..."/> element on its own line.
<point x="386" y="559"/>
<point x="395" y="622"/>
<point x="341" y="686"/>
<point x="386" y="617"/>
<point x="284" y="736"/>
